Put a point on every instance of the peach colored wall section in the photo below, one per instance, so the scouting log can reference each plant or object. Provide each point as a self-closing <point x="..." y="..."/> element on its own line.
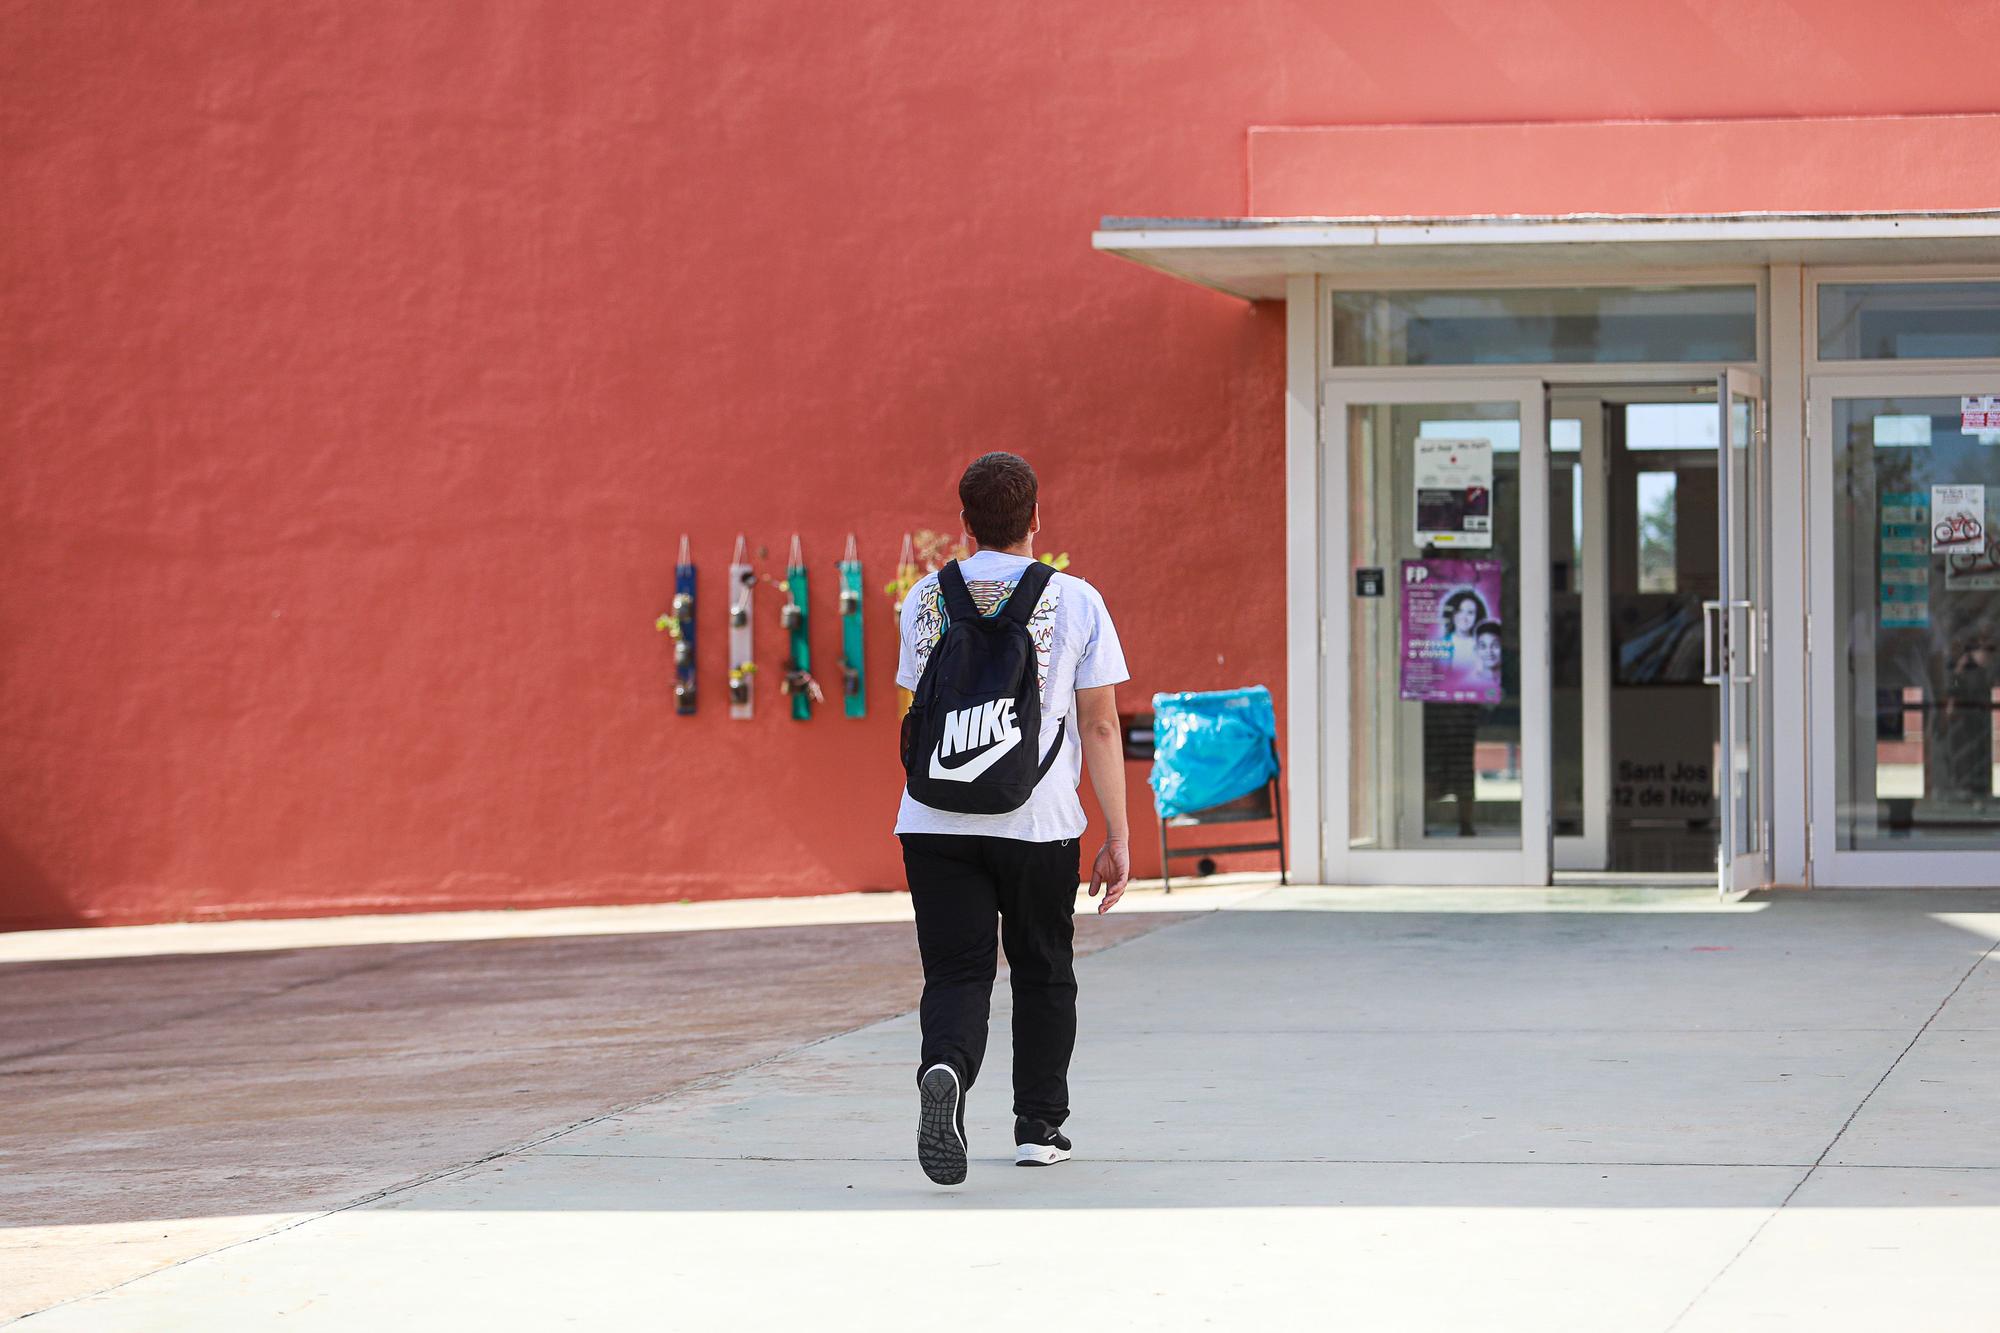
<point x="1804" y="165"/>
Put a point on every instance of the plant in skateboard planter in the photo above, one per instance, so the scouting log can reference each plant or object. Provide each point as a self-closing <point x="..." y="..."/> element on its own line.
<point x="797" y="680"/>
<point x="924" y="552"/>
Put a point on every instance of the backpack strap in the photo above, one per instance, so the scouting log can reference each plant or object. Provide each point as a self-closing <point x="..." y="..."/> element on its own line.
<point x="1027" y="594"/>
<point x="1049" y="759"/>
<point x="958" y="603"/>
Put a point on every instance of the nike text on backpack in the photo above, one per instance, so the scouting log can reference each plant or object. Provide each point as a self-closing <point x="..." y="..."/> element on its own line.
<point x="970" y="737"/>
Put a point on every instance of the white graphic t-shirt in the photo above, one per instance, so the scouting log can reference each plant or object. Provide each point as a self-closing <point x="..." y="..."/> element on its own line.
<point x="1076" y="648"/>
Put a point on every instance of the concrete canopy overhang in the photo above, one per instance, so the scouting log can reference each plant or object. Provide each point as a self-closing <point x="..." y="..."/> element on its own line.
<point x="1252" y="257"/>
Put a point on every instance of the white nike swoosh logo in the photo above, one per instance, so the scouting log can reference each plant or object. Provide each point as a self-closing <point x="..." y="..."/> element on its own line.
<point x="969" y="771"/>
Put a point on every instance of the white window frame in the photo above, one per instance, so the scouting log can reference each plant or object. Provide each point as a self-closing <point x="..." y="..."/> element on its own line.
<point x="1529" y="861"/>
<point x="1885" y="275"/>
<point x="1557" y="373"/>
<point x="1824" y="381"/>
<point x="1316" y="580"/>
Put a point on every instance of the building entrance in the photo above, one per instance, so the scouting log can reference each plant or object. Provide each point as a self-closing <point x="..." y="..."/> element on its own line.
<point x="1552" y="629"/>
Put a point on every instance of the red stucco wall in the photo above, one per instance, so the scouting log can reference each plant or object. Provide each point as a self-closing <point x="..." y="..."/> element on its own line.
<point x="363" y="362"/>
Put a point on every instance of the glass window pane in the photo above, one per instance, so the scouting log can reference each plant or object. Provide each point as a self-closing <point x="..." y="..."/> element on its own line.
<point x="1917" y="604"/>
<point x="1671" y="426"/>
<point x="1908" y="320"/>
<point x="1435" y="759"/>
<point x="1540" y="325"/>
<point x="1657" y="509"/>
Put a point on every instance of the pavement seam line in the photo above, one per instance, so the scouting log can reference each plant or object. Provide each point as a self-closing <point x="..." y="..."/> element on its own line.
<point x="1307" y="1161"/>
<point x="1259" y="1161"/>
<point x="1833" y="1142"/>
<point x="444" y="1173"/>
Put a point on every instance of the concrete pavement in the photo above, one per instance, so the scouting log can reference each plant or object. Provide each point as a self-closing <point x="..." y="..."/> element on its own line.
<point x="1383" y="1109"/>
<point x="169" y="1090"/>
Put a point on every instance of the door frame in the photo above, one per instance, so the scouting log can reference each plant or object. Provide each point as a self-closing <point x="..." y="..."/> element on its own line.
<point x="1530" y="863"/>
<point x="1315" y="570"/>
<point x="1742" y="661"/>
<point x="1591" y="850"/>
<point x="1826" y="640"/>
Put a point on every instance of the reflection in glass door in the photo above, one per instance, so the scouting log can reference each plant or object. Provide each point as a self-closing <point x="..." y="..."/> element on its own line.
<point x="1634" y="546"/>
<point x="1906" y="630"/>
<point x="1736" y="635"/>
<point x="1435" y="510"/>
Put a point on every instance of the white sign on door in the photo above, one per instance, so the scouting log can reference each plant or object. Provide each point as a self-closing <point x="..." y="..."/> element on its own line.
<point x="1979" y="413"/>
<point x="1454" y="485"/>
<point x="1958" y="518"/>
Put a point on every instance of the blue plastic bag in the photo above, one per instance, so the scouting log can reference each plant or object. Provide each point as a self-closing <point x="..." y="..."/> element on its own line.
<point x="1210" y="748"/>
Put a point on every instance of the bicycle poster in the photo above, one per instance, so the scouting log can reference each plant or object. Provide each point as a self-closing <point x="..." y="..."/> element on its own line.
<point x="1958" y="518"/>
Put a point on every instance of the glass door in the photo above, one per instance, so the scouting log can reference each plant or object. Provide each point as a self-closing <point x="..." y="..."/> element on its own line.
<point x="1437" y="622"/>
<point x="1905" y="628"/>
<point x="1736" y="635"/>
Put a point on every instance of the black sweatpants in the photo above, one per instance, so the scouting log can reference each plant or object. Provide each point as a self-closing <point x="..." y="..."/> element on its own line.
<point x="958" y="885"/>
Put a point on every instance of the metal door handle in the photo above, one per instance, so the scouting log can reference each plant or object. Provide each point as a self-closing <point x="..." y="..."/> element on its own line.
<point x="1710" y="673"/>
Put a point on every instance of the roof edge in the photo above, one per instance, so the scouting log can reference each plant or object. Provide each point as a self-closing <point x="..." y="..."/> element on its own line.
<point x="1112" y="222"/>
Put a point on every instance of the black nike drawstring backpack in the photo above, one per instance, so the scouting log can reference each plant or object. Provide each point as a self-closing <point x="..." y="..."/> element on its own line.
<point x="970" y="737"/>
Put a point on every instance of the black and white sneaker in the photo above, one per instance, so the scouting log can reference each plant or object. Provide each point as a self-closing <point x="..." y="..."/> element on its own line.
<point x="1036" y="1144"/>
<point x="941" y="1125"/>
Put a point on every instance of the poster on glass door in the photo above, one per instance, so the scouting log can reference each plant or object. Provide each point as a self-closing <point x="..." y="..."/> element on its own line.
<point x="1454" y="485"/>
<point x="1958" y="518"/>
<point x="1903" y="574"/>
<point x="1451" y="649"/>
<point x="1977" y="568"/>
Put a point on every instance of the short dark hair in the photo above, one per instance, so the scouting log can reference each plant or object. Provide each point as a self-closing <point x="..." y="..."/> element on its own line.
<point x="998" y="493"/>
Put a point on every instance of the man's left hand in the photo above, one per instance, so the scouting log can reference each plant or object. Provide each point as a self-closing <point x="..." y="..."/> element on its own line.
<point x="1111" y="872"/>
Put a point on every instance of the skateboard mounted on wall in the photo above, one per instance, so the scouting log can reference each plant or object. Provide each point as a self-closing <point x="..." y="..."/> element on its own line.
<point x="854" y="693"/>
<point x="898" y="588"/>
<point x="742" y="602"/>
<point x="679" y="623"/>
<point x="798" y="680"/>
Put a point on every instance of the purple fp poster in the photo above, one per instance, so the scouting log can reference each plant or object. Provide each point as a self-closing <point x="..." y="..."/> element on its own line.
<point x="1451" y="631"/>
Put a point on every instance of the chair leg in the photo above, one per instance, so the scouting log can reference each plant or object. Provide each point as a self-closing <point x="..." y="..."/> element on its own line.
<point x="1166" y="867"/>
<point x="1278" y="806"/>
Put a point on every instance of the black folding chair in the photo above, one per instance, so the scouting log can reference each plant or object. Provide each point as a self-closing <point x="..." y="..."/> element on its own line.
<point x="1264" y="803"/>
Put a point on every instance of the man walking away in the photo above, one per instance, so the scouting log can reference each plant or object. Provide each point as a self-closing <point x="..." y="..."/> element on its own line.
<point x="1013" y="668"/>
